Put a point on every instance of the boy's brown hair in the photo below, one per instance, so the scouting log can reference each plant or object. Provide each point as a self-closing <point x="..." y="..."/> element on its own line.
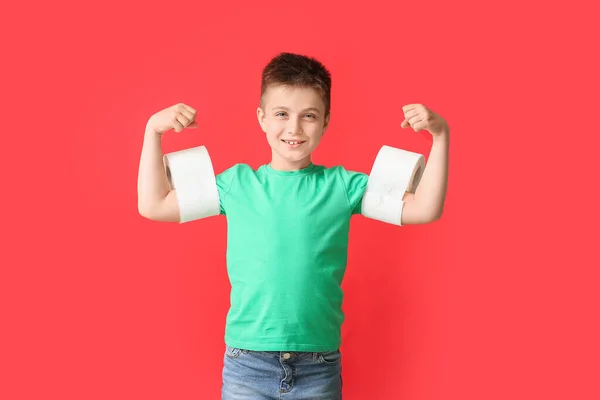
<point x="296" y="70"/>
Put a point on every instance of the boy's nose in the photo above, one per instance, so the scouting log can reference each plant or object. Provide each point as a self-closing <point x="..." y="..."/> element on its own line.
<point x="294" y="128"/>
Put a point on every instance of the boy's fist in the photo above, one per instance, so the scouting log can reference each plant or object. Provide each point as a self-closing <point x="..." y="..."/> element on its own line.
<point x="419" y="117"/>
<point x="176" y="117"/>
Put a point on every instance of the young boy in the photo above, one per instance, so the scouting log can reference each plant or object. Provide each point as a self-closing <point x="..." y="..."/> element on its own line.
<point x="288" y="224"/>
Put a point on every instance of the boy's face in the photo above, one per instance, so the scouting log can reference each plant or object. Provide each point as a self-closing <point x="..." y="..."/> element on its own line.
<point x="294" y="121"/>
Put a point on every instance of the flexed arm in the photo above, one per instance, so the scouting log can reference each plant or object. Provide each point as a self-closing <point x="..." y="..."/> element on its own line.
<point x="427" y="203"/>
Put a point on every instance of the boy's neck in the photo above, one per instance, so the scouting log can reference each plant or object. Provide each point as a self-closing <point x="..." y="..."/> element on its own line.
<point x="279" y="164"/>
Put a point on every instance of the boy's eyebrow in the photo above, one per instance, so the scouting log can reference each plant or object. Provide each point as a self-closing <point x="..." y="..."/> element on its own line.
<point x="287" y="109"/>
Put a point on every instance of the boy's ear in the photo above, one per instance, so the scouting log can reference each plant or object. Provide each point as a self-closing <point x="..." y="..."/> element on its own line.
<point x="261" y="118"/>
<point x="326" y="122"/>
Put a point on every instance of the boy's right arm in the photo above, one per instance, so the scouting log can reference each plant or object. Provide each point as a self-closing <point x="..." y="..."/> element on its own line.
<point x="156" y="200"/>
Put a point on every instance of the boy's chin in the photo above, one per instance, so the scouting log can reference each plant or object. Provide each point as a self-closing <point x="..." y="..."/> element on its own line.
<point x="294" y="157"/>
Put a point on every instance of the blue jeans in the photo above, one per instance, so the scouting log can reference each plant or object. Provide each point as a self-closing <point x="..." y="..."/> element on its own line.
<point x="277" y="375"/>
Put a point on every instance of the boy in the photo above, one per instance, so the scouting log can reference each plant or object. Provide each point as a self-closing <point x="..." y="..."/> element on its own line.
<point x="288" y="224"/>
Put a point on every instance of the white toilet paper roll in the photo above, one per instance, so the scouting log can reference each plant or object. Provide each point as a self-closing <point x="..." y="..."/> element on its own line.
<point x="191" y="174"/>
<point x="395" y="172"/>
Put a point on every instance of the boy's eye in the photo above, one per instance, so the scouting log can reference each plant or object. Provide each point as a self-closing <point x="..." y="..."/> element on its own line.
<point x="281" y="113"/>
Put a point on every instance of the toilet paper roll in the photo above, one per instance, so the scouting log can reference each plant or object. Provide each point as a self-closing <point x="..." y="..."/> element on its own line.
<point x="190" y="173"/>
<point x="395" y="172"/>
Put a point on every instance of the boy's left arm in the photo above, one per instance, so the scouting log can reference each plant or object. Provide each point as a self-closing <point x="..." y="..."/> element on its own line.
<point x="427" y="203"/>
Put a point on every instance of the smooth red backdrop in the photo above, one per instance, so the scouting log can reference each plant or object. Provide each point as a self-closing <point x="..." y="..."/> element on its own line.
<point x="497" y="300"/>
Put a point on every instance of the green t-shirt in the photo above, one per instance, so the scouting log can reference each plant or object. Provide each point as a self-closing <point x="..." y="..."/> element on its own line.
<point x="287" y="242"/>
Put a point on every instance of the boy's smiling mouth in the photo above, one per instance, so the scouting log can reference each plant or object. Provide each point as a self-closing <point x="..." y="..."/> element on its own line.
<point x="293" y="143"/>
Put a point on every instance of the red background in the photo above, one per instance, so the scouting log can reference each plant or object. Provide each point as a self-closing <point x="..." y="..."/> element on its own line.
<point x="497" y="300"/>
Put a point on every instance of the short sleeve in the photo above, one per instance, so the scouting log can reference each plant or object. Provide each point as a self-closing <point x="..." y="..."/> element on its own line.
<point x="356" y="184"/>
<point x="224" y="181"/>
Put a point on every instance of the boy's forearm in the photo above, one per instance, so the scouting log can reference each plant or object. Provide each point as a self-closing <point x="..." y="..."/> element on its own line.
<point x="431" y="191"/>
<point x="153" y="185"/>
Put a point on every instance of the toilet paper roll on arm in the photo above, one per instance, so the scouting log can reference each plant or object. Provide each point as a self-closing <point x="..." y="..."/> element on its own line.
<point x="191" y="175"/>
<point x="394" y="173"/>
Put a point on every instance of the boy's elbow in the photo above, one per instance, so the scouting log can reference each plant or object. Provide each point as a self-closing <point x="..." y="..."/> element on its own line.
<point x="436" y="215"/>
<point x="430" y="215"/>
<point x="146" y="210"/>
<point x="143" y="211"/>
<point x="166" y="210"/>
